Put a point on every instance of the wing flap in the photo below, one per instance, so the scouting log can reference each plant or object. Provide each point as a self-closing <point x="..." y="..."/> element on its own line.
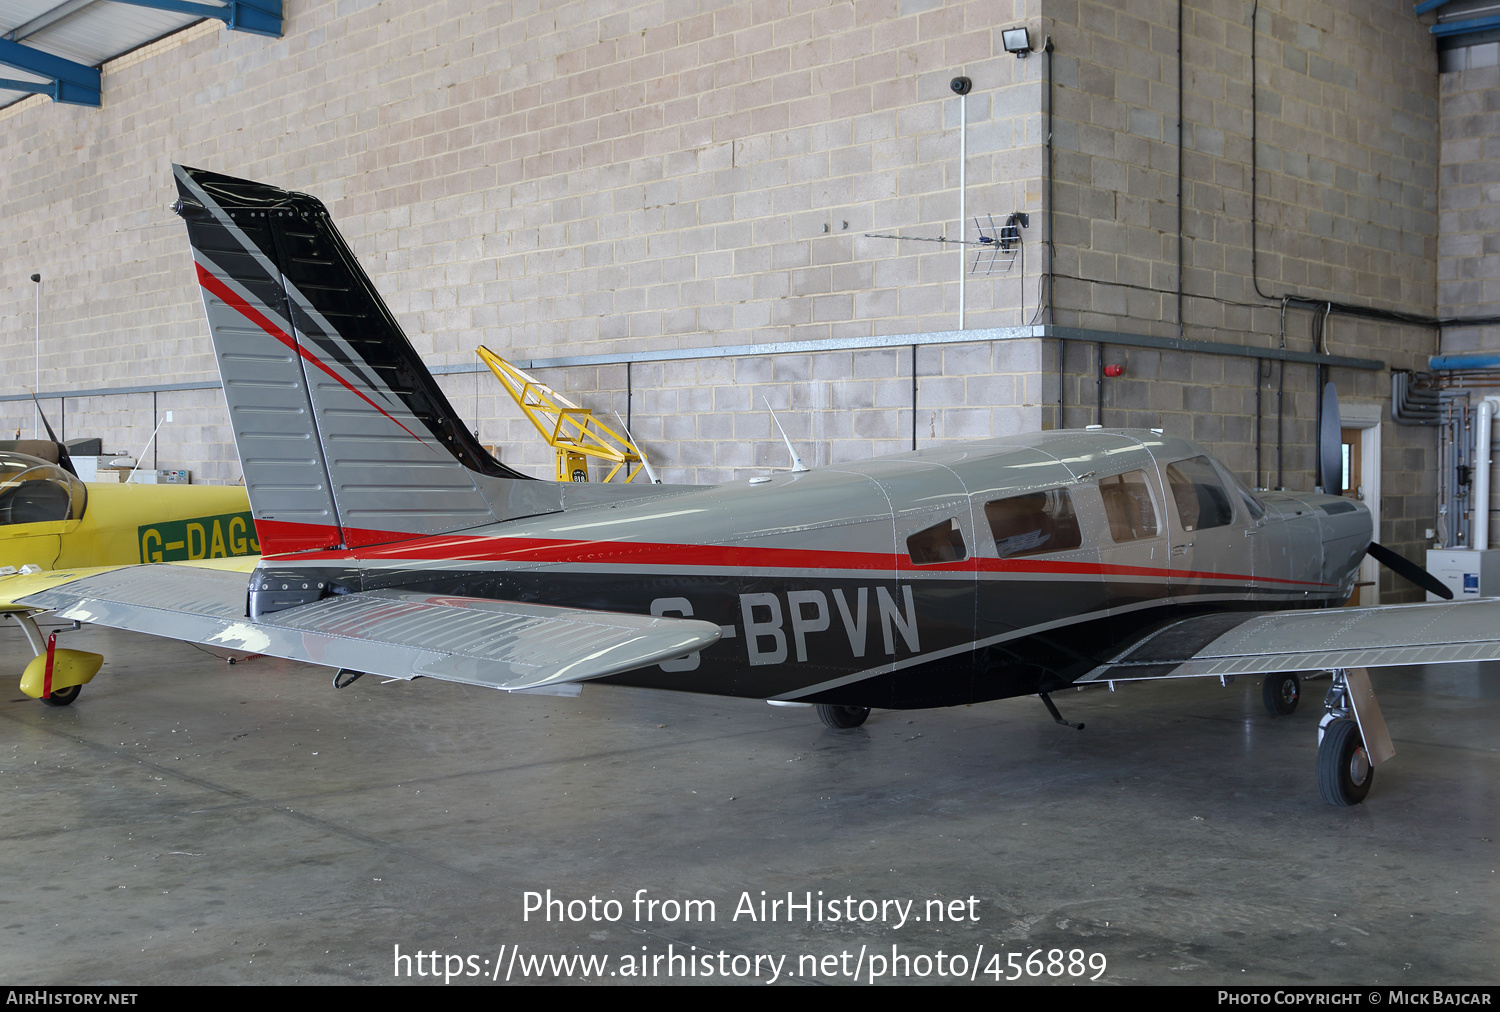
<point x="1251" y="643"/>
<point x="401" y="634"/>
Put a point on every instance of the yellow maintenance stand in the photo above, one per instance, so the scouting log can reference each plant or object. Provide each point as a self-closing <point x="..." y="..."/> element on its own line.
<point x="572" y="431"/>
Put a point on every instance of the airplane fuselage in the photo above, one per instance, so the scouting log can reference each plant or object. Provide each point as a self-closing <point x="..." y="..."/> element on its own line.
<point x="978" y="571"/>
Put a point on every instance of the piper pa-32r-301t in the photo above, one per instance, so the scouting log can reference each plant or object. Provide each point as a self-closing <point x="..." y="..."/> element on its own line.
<point x="395" y="544"/>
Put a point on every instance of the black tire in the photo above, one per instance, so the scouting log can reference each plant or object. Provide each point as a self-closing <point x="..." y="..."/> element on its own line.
<point x="1280" y="693"/>
<point x="842" y="717"/>
<point x="62" y="697"/>
<point x="1344" y="770"/>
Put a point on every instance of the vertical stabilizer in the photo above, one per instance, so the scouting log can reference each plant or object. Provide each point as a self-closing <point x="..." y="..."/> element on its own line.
<point x="344" y="436"/>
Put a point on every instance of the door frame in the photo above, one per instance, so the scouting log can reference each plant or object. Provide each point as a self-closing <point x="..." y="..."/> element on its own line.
<point x="1366" y="417"/>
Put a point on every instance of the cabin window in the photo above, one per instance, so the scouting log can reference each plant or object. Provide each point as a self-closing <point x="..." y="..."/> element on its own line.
<point x="1202" y="503"/>
<point x="942" y="542"/>
<point x="1033" y="523"/>
<point x="1127" y="505"/>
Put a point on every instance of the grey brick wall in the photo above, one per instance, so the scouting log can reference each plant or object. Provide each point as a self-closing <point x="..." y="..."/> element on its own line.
<point x="1468" y="265"/>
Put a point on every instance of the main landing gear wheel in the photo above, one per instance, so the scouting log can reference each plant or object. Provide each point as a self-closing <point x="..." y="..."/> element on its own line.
<point x="1344" y="770"/>
<point x="62" y="697"/>
<point x="842" y="717"/>
<point x="1280" y="694"/>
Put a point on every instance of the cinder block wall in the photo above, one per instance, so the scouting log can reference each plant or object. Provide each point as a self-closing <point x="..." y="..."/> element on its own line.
<point x="1469" y="243"/>
<point x="710" y="420"/>
<point x="544" y="179"/>
<point x="1346" y="123"/>
<point x="1468" y="265"/>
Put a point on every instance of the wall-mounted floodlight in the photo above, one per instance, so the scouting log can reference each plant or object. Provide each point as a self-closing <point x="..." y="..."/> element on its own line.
<point x="1017" y="40"/>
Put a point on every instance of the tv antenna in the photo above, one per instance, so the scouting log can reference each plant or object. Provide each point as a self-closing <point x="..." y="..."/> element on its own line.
<point x="996" y="246"/>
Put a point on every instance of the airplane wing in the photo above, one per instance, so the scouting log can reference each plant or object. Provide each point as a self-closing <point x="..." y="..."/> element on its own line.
<point x="400" y="634"/>
<point x="1252" y="643"/>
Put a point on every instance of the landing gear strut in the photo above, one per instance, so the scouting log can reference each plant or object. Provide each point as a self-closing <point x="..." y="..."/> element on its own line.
<point x="55" y="676"/>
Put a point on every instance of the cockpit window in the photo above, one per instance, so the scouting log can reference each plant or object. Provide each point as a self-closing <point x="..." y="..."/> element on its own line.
<point x="1127" y="504"/>
<point x="33" y="491"/>
<point x="942" y="542"/>
<point x="1202" y="503"/>
<point x="1033" y="523"/>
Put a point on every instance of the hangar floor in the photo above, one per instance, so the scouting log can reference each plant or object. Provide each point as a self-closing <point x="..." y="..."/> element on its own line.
<point x="191" y="822"/>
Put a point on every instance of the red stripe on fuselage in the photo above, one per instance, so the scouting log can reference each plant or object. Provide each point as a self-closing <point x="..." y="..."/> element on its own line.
<point x="280" y="537"/>
<point x="477" y="548"/>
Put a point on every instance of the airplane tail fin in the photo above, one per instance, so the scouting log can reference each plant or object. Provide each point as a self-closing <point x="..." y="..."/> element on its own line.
<point x="344" y="436"/>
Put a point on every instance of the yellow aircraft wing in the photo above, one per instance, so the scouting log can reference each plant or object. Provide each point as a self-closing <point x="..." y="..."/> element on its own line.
<point x="19" y="585"/>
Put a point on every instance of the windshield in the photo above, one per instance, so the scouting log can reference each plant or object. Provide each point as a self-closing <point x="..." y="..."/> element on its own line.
<point x="33" y="491"/>
<point x="1253" y="506"/>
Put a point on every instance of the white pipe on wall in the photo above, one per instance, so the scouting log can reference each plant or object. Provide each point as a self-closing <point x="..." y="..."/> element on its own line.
<point x="1488" y="408"/>
<point x="963" y="197"/>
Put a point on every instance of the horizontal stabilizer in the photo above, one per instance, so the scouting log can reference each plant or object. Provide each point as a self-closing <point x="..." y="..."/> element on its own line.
<point x="399" y="634"/>
<point x="1253" y="643"/>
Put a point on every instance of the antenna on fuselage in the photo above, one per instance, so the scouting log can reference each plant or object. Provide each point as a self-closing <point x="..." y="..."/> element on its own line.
<point x="640" y="451"/>
<point x="797" y="464"/>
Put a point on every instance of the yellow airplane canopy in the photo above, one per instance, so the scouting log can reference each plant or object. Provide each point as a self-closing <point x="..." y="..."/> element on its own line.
<point x="34" y="491"/>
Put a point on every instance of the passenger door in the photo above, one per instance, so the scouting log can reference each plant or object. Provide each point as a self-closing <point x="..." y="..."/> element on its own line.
<point x="1133" y="560"/>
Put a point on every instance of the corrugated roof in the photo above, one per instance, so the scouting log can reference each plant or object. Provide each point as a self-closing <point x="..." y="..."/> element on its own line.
<point x="92" y="32"/>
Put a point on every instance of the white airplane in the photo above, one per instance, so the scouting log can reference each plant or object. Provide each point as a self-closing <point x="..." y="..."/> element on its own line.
<point x="394" y="544"/>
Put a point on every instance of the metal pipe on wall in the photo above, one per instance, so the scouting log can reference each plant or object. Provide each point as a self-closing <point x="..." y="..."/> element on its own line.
<point x="1480" y="502"/>
<point x="963" y="207"/>
<point x="36" y="425"/>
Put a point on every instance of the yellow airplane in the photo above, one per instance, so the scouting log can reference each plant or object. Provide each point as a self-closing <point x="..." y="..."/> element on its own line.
<point x="53" y="527"/>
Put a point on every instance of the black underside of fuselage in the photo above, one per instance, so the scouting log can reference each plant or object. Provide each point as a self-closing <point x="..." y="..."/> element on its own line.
<point x="854" y="641"/>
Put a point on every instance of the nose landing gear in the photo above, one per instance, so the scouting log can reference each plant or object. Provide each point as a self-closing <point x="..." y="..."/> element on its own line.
<point x="1352" y="738"/>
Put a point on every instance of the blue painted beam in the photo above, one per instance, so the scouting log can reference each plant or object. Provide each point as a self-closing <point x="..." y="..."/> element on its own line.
<point x="69" y="82"/>
<point x="1465" y="27"/>
<point x="1428" y="5"/>
<point x="34" y="87"/>
<point x="259" y="17"/>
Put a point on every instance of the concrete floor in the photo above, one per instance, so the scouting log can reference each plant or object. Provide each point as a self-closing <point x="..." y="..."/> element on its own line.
<point x="191" y="822"/>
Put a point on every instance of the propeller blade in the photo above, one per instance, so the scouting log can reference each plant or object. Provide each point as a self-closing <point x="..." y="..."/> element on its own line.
<point x="1330" y="444"/>
<point x="62" y="451"/>
<point x="45" y="424"/>
<point x="1409" y="571"/>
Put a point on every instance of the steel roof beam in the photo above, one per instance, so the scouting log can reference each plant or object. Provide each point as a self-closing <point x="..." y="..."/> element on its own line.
<point x="259" y="17"/>
<point x="67" y="81"/>
<point x="46" y="18"/>
<point x="1465" y="27"/>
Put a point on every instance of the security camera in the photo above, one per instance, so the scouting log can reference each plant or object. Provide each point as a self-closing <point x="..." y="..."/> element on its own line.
<point x="961" y="85"/>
